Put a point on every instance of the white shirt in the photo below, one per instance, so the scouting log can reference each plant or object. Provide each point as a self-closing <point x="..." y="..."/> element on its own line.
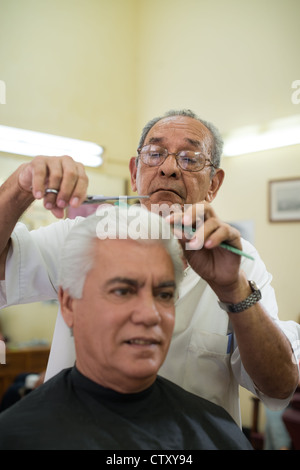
<point x="203" y="357"/>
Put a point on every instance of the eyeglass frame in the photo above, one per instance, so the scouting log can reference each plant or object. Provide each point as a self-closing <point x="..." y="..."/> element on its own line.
<point x="176" y="157"/>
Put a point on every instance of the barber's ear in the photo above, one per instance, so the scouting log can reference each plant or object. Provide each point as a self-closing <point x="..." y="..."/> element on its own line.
<point x="133" y="172"/>
<point x="215" y="184"/>
<point x="66" y="306"/>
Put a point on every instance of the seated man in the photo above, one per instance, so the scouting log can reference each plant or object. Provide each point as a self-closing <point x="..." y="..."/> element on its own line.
<point x="117" y="296"/>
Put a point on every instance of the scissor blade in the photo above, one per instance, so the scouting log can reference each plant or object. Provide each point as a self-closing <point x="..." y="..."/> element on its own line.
<point x="99" y="199"/>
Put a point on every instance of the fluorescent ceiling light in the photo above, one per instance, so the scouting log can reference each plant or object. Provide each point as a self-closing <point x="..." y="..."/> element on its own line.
<point x="279" y="133"/>
<point x="31" y="143"/>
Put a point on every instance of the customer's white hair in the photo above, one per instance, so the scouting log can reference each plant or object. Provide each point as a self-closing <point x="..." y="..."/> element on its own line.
<point x="113" y="222"/>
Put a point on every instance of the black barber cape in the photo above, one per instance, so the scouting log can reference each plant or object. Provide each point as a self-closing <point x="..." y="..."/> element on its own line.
<point x="72" y="412"/>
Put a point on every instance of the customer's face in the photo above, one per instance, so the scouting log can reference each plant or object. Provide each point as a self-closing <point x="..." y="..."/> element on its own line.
<point x="168" y="184"/>
<point x="124" y="321"/>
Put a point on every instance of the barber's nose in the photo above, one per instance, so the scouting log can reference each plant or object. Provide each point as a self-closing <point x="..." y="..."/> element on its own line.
<point x="169" y="168"/>
<point x="146" y="311"/>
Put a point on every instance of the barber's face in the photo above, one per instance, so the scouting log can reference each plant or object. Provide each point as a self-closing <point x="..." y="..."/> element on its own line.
<point x="124" y="322"/>
<point x="168" y="184"/>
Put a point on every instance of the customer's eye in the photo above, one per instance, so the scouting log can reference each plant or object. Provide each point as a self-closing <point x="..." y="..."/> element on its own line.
<point x="166" y="295"/>
<point x="123" y="291"/>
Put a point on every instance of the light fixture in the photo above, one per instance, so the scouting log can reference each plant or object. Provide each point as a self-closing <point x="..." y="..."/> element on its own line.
<point x="279" y="133"/>
<point x="31" y="143"/>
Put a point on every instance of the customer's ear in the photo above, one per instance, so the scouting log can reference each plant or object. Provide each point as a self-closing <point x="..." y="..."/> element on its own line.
<point x="66" y="306"/>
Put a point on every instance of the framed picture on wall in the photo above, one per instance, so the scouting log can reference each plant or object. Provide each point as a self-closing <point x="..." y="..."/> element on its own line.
<point x="284" y="200"/>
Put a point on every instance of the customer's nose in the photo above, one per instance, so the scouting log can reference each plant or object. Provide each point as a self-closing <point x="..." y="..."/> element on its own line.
<point x="146" y="311"/>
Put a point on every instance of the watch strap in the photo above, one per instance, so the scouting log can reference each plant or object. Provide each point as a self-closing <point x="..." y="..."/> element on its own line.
<point x="251" y="300"/>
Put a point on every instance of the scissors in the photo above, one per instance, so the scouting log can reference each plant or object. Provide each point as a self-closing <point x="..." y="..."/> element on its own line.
<point x="99" y="199"/>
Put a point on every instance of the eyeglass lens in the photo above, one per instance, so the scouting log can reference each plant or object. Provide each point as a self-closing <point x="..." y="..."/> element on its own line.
<point x="154" y="155"/>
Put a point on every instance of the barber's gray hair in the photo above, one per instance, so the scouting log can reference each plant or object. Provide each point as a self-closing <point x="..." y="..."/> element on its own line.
<point x="113" y="222"/>
<point x="217" y="140"/>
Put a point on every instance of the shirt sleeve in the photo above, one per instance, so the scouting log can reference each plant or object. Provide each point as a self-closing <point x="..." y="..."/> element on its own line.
<point x="257" y="272"/>
<point x="31" y="273"/>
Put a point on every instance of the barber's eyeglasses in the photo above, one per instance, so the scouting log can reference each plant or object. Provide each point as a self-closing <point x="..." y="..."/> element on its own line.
<point x="153" y="155"/>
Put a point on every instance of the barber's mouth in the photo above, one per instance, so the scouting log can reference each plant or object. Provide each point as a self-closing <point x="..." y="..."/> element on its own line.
<point x="166" y="191"/>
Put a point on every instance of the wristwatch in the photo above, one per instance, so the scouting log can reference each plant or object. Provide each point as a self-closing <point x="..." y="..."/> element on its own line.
<point x="254" y="297"/>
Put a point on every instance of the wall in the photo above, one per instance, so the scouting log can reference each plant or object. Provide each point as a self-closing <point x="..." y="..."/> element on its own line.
<point x="69" y="70"/>
<point x="233" y="61"/>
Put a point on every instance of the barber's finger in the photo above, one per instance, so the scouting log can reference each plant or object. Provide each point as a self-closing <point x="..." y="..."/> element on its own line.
<point x="205" y="224"/>
<point x="69" y="177"/>
<point x="55" y="176"/>
<point x="80" y="191"/>
<point x="58" y="180"/>
<point x="175" y="220"/>
<point x="195" y="212"/>
<point x="39" y="172"/>
<point x="72" y="185"/>
<point x="190" y="221"/>
<point x="216" y="232"/>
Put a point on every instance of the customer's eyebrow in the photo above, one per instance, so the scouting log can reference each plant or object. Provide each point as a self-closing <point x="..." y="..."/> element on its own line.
<point x="123" y="280"/>
<point x="135" y="283"/>
<point x="166" y="284"/>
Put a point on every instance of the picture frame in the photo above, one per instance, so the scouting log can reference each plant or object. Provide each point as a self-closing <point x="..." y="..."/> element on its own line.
<point x="284" y="200"/>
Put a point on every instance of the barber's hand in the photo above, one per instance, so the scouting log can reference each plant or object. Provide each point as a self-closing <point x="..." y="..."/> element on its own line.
<point x="60" y="173"/>
<point x="219" y="267"/>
